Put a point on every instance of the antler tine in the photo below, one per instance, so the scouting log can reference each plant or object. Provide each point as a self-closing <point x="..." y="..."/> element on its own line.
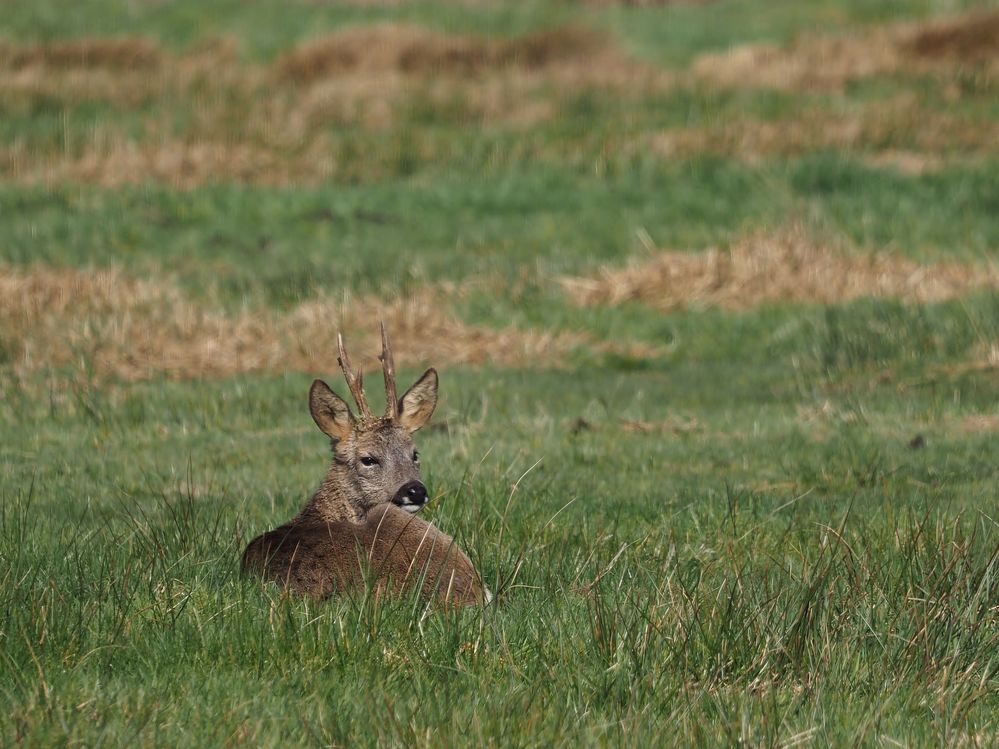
<point x="388" y="369"/>
<point x="355" y="381"/>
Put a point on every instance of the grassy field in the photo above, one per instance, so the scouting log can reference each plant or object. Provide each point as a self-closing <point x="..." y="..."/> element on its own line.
<point x="712" y="288"/>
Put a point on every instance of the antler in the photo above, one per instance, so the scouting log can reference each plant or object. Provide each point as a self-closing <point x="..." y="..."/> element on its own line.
<point x="388" y="369"/>
<point x="355" y="381"/>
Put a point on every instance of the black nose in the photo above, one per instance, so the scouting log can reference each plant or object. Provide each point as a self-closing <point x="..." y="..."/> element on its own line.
<point x="412" y="493"/>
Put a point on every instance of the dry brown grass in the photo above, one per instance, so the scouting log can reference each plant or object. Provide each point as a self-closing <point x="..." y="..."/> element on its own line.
<point x="786" y="266"/>
<point x="207" y="115"/>
<point x="493" y="80"/>
<point x="976" y="423"/>
<point x="31" y="76"/>
<point x="116" y="53"/>
<point x="674" y="425"/>
<point x="647" y="3"/>
<point x="829" y="62"/>
<point x="111" y="324"/>
<point x="817" y="63"/>
<point x="907" y="162"/>
<point x="974" y="37"/>
<point x="900" y="132"/>
<point x="416" y="50"/>
<point x="116" y="160"/>
<point x="905" y="131"/>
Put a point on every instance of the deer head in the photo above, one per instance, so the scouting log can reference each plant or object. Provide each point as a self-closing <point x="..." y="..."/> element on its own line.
<point x="374" y="458"/>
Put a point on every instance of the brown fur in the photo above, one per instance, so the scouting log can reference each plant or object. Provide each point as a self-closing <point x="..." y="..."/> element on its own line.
<point x="391" y="549"/>
<point x="355" y="521"/>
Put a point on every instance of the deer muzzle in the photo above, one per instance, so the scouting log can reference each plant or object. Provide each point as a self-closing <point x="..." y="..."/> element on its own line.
<point x="411" y="496"/>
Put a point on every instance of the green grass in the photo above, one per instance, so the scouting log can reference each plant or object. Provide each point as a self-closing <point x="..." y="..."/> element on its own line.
<point x="780" y="529"/>
<point x="284" y="244"/>
<point x="854" y="599"/>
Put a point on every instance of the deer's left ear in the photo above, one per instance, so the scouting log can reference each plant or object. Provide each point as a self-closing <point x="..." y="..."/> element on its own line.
<point x="418" y="404"/>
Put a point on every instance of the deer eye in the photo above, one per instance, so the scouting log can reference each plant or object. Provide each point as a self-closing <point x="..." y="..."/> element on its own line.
<point x="416" y="456"/>
<point x="367" y="460"/>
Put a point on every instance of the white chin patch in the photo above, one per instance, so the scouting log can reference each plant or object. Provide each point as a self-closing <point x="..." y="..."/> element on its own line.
<point x="410" y="507"/>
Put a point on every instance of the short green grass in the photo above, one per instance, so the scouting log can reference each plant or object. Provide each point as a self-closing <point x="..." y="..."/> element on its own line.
<point x="758" y="577"/>
<point x="779" y="530"/>
<point x="280" y="244"/>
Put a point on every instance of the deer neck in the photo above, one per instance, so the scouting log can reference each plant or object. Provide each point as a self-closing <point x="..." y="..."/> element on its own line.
<point x="336" y="500"/>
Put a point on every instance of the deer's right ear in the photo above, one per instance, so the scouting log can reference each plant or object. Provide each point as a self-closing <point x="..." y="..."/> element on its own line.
<point x="330" y="412"/>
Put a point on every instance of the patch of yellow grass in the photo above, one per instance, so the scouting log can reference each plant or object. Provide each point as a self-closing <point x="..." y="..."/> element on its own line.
<point x="815" y="63"/>
<point x="785" y="266"/>
<point x="116" y="53"/>
<point x="970" y="38"/>
<point x="883" y="130"/>
<point x="829" y="62"/>
<point x="116" y="161"/>
<point x="417" y="50"/>
<point x="206" y="115"/>
<point x="979" y="422"/>
<point x="111" y="324"/>
<point x="644" y="3"/>
<point x="669" y="426"/>
<point x="906" y="162"/>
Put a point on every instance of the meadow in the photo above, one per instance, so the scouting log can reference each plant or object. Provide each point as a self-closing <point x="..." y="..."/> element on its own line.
<point x="712" y="289"/>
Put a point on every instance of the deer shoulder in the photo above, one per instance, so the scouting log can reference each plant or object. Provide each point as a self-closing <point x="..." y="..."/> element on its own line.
<point x="391" y="550"/>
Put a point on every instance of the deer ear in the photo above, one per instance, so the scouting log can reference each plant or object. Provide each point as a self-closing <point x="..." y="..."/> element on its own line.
<point x="417" y="405"/>
<point x="330" y="412"/>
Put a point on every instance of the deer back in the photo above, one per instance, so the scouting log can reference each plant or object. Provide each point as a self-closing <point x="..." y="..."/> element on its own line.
<point x="392" y="550"/>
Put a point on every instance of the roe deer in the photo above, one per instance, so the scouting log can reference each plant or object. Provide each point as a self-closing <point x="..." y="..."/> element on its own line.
<point x="361" y="515"/>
